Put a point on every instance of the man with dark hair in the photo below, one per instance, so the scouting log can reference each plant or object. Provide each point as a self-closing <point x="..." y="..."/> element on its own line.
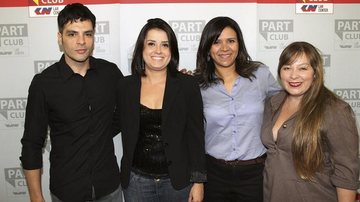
<point x="75" y="98"/>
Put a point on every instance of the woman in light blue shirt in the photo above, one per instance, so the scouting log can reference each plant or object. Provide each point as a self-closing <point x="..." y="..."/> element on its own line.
<point x="233" y="89"/>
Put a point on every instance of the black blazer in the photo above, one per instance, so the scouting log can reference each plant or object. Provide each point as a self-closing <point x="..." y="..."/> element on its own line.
<point x="182" y="126"/>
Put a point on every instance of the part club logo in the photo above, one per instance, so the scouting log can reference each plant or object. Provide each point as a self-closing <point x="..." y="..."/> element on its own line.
<point x="12" y="112"/>
<point x="46" y="2"/>
<point x="40" y="65"/>
<point x="16" y="183"/>
<point x="275" y="34"/>
<point x="351" y="96"/>
<point x="188" y="33"/>
<point x="347" y="34"/>
<point x="102" y="38"/>
<point x="14" y="40"/>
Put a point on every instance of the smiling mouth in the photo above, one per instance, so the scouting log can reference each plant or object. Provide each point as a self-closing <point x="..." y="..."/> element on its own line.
<point x="294" y="84"/>
<point x="225" y="56"/>
<point x="157" y="58"/>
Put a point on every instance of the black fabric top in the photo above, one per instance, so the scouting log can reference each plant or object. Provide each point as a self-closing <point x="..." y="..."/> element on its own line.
<point x="79" y="112"/>
<point x="149" y="155"/>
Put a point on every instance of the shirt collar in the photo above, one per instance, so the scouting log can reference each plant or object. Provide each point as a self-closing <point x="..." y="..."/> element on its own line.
<point x="277" y="100"/>
<point x="219" y="85"/>
<point x="66" y="70"/>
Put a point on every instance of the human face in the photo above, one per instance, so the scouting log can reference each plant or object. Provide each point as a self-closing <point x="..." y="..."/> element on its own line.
<point x="77" y="41"/>
<point x="225" y="49"/>
<point x="156" y="52"/>
<point x="297" y="77"/>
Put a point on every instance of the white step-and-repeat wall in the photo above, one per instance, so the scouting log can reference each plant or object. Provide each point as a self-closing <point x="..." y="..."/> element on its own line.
<point x="28" y="44"/>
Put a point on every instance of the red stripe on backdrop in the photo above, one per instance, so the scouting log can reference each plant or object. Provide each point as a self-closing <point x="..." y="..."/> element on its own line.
<point x="24" y="3"/>
<point x="308" y="1"/>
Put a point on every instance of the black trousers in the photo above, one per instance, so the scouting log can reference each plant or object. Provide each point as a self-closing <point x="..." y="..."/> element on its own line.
<point x="233" y="183"/>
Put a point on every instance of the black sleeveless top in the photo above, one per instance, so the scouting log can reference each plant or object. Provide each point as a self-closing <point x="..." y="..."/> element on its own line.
<point x="149" y="156"/>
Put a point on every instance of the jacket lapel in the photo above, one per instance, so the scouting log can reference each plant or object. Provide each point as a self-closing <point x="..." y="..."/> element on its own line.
<point x="171" y="90"/>
<point x="134" y="104"/>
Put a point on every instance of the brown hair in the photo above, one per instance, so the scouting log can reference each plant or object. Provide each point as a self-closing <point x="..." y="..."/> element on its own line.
<point x="308" y="142"/>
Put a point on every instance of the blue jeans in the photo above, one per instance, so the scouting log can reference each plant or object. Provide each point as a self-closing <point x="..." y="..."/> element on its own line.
<point x="115" y="196"/>
<point x="145" y="189"/>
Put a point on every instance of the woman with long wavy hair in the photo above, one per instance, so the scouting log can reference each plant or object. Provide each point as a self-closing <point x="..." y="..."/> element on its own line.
<point x="310" y="134"/>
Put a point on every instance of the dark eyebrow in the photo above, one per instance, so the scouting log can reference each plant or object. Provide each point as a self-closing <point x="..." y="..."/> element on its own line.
<point x="71" y="31"/>
<point x="151" y="40"/>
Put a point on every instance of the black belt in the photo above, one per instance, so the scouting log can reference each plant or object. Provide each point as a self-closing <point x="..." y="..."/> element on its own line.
<point x="258" y="160"/>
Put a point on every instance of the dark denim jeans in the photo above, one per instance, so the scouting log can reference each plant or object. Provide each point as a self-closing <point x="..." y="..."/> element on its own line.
<point x="145" y="189"/>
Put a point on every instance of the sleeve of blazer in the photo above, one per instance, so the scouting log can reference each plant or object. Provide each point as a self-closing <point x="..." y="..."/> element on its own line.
<point x="195" y="130"/>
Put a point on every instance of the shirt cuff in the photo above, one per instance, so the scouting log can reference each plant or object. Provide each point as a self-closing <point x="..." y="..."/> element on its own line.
<point x="198" y="177"/>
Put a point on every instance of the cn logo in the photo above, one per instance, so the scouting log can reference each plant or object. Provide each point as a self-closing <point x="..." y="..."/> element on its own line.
<point x="309" y="8"/>
<point x="43" y="11"/>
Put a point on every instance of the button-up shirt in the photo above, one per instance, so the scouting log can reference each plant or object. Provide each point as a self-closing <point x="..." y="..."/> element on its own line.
<point x="233" y="120"/>
<point x="78" y="110"/>
<point x="340" y="147"/>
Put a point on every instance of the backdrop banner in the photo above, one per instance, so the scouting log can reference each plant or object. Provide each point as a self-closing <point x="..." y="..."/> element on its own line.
<point x="28" y="45"/>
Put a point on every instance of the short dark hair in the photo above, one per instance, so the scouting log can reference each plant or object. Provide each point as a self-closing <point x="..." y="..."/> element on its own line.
<point x="137" y="64"/>
<point x="74" y="12"/>
<point x="205" y="67"/>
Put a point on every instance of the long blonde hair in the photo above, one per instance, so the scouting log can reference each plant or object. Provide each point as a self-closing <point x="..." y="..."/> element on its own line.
<point x="308" y="141"/>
